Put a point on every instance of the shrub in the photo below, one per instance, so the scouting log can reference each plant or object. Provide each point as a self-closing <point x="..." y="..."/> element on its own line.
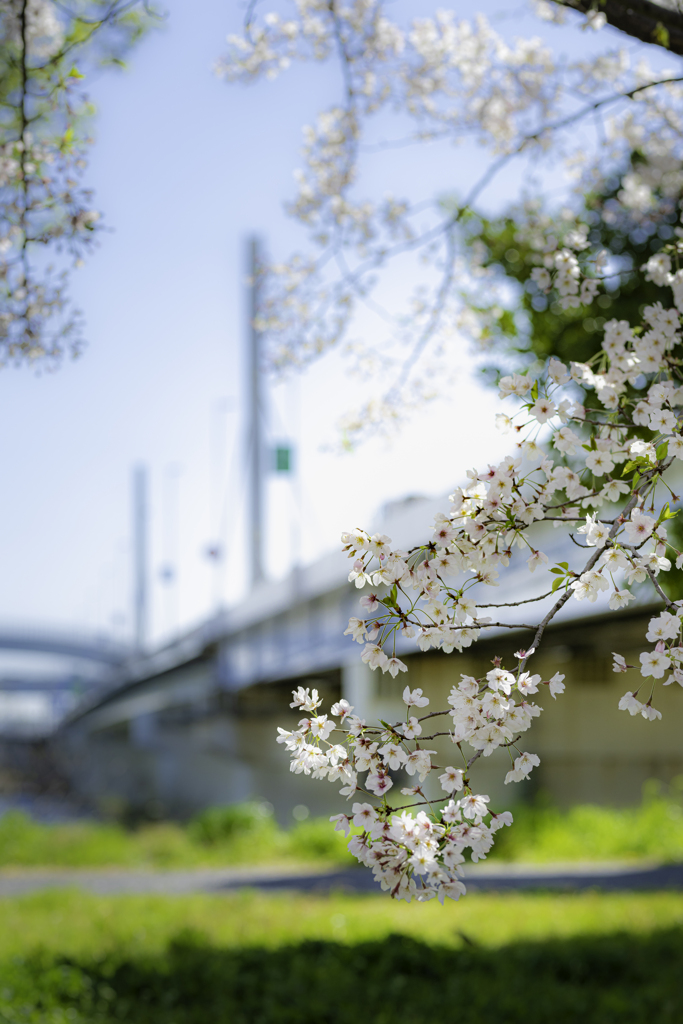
<point x="216" y="824"/>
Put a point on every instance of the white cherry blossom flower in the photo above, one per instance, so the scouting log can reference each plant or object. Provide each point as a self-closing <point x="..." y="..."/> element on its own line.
<point x="468" y="685"/>
<point x="451" y="780"/>
<point x="414" y="698"/>
<point x="522" y="767"/>
<point x="653" y="663"/>
<point x="676" y="446"/>
<point x="321" y="727"/>
<point x="543" y="410"/>
<point x="488" y="737"/>
<point x="663" y="421"/>
<point x="663" y="627"/>
<point x="373" y="656"/>
<point x="356" y="629"/>
<point x="639" y="528"/>
<point x="410" y="729"/>
<point x="614" y="559"/>
<point x="420" y="762"/>
<point x="514" y="385"/>
<point x="556" y="684"/>
<point x="597" y="533"/>
<point x="599" y="463"/>
<point x="341" y="709"/>
<point x="342" y="823"/>
<point x="630" y="703"/>
<point x="379" y="544"/>
<point x="474" y="806"/>
<point x="589" y="585"/>
<point x="364" y="815"/>
<point x="498" y="679"/>
<point x="557" y="371"/>
<point x="304" y="698"/>
<point x="528" y="683"/>
<point x="636" y="573"/>
<point x="535" y="559"/>
<point x="379" y="783"/>
<point x="393" y="756"/>
<point x="350" y="787"/>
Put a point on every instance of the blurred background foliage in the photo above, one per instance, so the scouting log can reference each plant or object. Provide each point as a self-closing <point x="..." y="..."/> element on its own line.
<point x="247" y="833"/>
<point x="532" y="326"/>
<point x="628" y="235"/>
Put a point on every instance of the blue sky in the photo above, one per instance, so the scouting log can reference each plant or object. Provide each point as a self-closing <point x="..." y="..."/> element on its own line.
<point x="185" y="168"/>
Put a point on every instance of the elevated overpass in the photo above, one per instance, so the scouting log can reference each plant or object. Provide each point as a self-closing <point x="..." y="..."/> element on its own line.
<point x="90" y="648"/>
<point x="193" y="723"/>
<point x="53" y="670"/>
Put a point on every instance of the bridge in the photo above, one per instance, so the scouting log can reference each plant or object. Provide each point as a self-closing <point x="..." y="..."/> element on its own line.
<point x="60" y="667"/>
<point x="96" y="649"/>
<point x="193" y="723"/>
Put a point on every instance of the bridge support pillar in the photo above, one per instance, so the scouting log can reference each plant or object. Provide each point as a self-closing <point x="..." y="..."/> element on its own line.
<point x="358" y="687"/>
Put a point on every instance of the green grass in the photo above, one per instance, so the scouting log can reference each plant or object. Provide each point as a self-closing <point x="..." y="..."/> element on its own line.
<point x="653" y="830"/>
<point x="77" y="924"/>
<point x="251" y="958"/>
<point x="203" y="843"/>
<point x="243" y="834"/>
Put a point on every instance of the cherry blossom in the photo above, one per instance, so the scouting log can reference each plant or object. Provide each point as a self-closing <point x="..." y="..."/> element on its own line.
<point x="518" y="98"/>
<point x="443" y="595"/>
<point x="47" y="219"/>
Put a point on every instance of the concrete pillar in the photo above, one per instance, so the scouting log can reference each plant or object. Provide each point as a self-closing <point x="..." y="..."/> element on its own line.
<point x="143" y="730"/>
<point x="358" y="686"/>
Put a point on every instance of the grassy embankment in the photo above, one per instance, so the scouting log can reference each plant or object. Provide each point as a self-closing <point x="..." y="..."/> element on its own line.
<point x="252" y="958"/>
<point x="245" y="835"/>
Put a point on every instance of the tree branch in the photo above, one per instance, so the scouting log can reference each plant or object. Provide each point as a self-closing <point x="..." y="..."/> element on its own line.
<point x="641" y="19"/>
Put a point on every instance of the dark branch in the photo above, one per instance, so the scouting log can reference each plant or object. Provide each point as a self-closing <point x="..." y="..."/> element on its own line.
<point x="640" y="19"/>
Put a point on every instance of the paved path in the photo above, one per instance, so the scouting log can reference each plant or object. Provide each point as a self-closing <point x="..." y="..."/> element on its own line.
<point x="479" y="878"/>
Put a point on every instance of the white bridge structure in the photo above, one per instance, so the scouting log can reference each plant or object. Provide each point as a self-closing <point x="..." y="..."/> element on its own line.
<point x="44" y="672"/>
<point x="168" y="731"/>
<point x="194" y="724"/>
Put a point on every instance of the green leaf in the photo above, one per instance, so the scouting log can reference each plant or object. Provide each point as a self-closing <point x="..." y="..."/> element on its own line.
<point x="666" y="513"/>
<point x="558" y="572"/>
<point x="556" y="584"/>
<point x="534" y="391"/>
<point x="661" y="35"/>
<point x="662" y="451"/>
<point x="75" y="73"/>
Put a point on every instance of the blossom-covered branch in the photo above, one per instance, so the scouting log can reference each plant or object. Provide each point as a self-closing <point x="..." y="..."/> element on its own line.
<point x="45" y="213"/>
<point x="455" y="80"/>
<point x="612" y="471"/>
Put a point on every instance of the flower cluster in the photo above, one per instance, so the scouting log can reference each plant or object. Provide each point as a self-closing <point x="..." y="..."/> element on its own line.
<point x="415" y="856"/>
<point x="43" y="207"/>
<point x="599" y="470"/>
<point x="453" y="79"/>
